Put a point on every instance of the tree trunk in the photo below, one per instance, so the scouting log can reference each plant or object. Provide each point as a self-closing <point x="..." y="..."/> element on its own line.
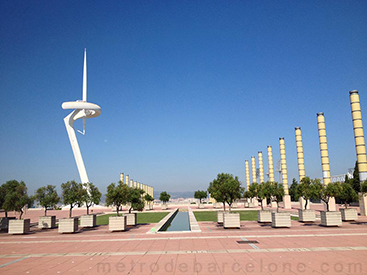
<point x="261" y="203"/>
<point x="229" y="207"/>
<point x="117" y="209"/>
<point x="6" y="214"/>
<point x="277" y="207"/>
<point x="130" y="209"/>
<point x="21" y="214"/>
<point x="87" y="209"/>
<point x="45" y="211"/>
<point x="71" y="209"/>
<point x="306" y="204"/>
<point x="224" y="206"/>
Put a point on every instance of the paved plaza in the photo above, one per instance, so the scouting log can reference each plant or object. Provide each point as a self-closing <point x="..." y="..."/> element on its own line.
<point x="253" y="249"/>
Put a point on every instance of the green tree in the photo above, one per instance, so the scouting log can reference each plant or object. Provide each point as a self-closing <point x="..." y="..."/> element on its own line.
<point x="226" y="189"/>
<point x="164" y="197"/>
<point x="355" y="181"/>
<point x="16" y="197"/>
<point x="148" y="198"/>
<point x="47" y="197"/>
<point x="325" y="192"/>
<point x="347" y="194"/>
<point x="200" y="194"/>
<point x="135" y="199"/>
<point x="293" y="190"/>
<point x="72" y="194"/>
<point x="260" y="191"/>
<point x="276" y="192"/>
<point x="307" y="190"/>
<point x="117" y="195"/>
<point x="90" y="195"/>
<point x="364" y="187"/>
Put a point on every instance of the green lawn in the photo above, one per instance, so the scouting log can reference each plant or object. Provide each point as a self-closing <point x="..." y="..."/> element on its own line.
<point x="211" y="216"/>
<point x="142" y="218"/>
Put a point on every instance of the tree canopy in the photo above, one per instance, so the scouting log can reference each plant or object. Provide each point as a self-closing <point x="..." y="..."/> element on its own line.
<point x="164" y="197"/>
<point x="135" y="199"/>
<point x="325" y="192"/>
<point x="16" y="197"/>
<point x="72" y="194"/>
<point x="347" y="194"/>
<point x="276" y="192"/>
<point x="117" y="195"/>
<point x="226" y="189"/>
<point x="307" y="189"/>
<point x="293" y="191"/>
<point x="200" y="194"/>
<point x="47" y="197"/>
<point x="260" y="191"/>
<point x="90" y="195"/>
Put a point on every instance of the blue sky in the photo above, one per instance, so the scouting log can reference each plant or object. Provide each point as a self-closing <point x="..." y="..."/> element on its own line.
<point x="188" y="89"/>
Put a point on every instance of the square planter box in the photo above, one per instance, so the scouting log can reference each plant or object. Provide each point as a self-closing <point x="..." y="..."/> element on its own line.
<point x="131" y="218"/>
<point x="164" y="206"/>
<point x="19" y="226"/>
<point x="307" y="215"/>
<point x="88" y="220"/>
<point x="231" y="220"/>
<point x="349" y="214"/>
<point x="280" y="219"/>
<point x="47" y="222"/>
<point x="264" y="215"/>
<point x="68" y="225"/>
<point x="117" y="223"/>
<point x="220" y="216"/>
<point x="331" y="218"/>
<point x="4" y="223"/>
<point x="201" y="206"/>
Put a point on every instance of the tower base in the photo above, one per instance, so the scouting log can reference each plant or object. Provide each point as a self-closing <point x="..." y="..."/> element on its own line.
<point x="363" y="204"/>
<point x="332" y="205"/>
<point x="287" y="202"/>
<point x="302" y="203"/>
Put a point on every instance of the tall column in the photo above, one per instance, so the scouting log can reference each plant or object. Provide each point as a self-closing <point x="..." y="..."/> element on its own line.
<point x="283" y="162"/>
<point x="271" y="164"/>
<point x="127" y="180"/>
<point x="122" y="178"/>
<point x="135" y="184"/>
<point x="261" y="166"/>
<point x="254" y="179"/>
<point x="301" y="163"/>
<point x="324" y="156"/>
<point x="360" y="145"/>
<point x="247" y="170"/>
<point x="131" y="183"/>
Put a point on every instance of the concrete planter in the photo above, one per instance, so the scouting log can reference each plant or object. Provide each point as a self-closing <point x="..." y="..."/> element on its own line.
<point x="349" y="214"/>
<point x="246" y="205"/>
<point x="47" y="222"/>
<point x="220" y="216"/>
<point x="331" y="218"/>
<point x="264" y="216"/>
<point x="117" y="223"/>
<point x="201" y="206"/>
<point x="88" y="220"/>
<point x="307" y="215"/>
<point x="131" y="218"/>
<point x="4" y="223"/>
<point x="164" y="206"/>
<point x="68" y="225"/>
<point x="231" y="220"/>
<point x="19" y="226"/>
<point x="280" y="219"/>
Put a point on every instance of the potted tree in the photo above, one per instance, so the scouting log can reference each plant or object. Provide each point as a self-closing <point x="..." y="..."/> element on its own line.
<point x="306" y="190"/>
<point x="89" y="197"/>
<point x="348" y="195"/>
<point x="261" y="192"/>
<point x="5" y="189"/>
<point x="278" y="219"/>
<point x="15" y="200"/>
<point x="136" y="203"/>
<point x="117" y="195"/>
<point x="200" y="194"/>
<point x="325" y="192"/>
<point x="227" y="189"/>
<point x="72" y="195"/>
<point x="164" y="197"/>
<point x="47" y="197"/>
<point x="149" y="199"/>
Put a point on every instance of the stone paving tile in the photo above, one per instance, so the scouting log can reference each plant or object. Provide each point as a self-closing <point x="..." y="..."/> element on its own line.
<point x="163" y="264"/>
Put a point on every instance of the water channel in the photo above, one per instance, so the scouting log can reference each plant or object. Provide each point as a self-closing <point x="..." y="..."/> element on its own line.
<point x="180" y="222"/>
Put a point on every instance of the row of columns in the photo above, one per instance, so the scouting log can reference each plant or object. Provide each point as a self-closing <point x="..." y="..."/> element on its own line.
<point x="134" y="184"/>
<point x="360" y="151"/>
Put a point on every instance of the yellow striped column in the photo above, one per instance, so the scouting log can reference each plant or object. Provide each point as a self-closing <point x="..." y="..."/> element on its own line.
<point x="127" y="180"/>
<point x="271" y="164"/>
<point x="283" y="162"/>
<point x="254" y="179"/>
<point x="135" y="184"/>
<point x="261" y="166"/>
<point x="324" y="156"/>
<point x="301" y="162"/>
<point x="122" y="178"/>
<point x="131" y="183"/>
<point x="247" y="170"/>
<point x="355" y="106"/>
